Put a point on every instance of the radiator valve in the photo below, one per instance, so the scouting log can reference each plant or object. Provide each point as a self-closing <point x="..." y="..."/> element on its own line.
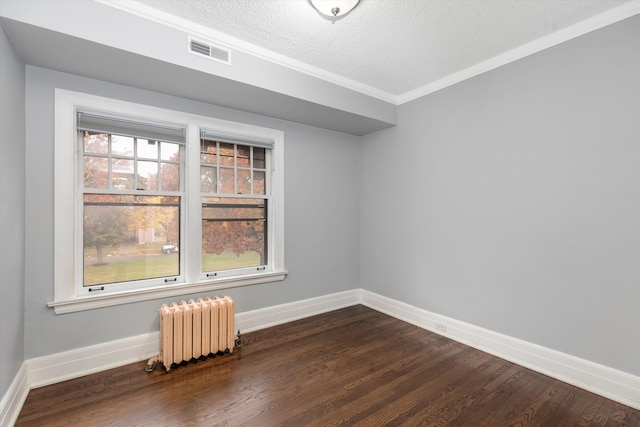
<point x="238" y="339"/>
<point x="151" y="363"/>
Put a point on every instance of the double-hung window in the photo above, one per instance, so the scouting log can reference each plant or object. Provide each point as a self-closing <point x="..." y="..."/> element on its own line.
<point x="132" y="198"/>
<point x="154" y="203"/>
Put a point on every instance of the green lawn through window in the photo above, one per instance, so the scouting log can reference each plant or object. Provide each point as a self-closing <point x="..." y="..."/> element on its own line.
<point x="160" y="265"/>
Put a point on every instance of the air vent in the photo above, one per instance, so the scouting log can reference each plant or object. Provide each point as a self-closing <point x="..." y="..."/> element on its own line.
<point x="210" y="51"/>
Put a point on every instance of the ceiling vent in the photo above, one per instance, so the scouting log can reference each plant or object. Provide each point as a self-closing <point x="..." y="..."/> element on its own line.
<point x="198" y="47"/>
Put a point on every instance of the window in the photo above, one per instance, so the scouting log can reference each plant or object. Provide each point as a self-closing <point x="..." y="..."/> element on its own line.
<point x="131" y="201"/>
<point x="163" y="203"/>
<point x="234" y="205"/>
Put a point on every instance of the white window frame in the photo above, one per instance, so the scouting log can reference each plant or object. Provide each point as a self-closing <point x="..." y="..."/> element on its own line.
<point x="67" y="243"/>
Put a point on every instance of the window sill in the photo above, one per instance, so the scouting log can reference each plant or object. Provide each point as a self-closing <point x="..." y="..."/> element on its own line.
<point x="72" y="305"/>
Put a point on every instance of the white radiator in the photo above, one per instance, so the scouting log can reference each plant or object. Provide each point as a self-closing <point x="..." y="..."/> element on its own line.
<point x="189" y="330"/>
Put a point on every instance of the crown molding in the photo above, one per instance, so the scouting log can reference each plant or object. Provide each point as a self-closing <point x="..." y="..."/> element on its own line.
<point x="599" y="21"/>
<point x="225" y="40"/>
<point x="595" y="23"/>
<point x="612" y="16"/>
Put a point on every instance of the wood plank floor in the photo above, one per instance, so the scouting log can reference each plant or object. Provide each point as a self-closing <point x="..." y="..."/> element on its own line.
<point x="350" y="367"/>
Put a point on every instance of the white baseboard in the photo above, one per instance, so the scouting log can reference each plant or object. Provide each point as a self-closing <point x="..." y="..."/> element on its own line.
<point x="76" y="363"/>
<point x="611" y="383"/>
<point x="599" y="379"/>
<point x="14" y="398"/>
<point x="283" y="313"/>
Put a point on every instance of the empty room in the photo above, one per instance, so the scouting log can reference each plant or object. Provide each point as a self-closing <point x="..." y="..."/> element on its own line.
<point x="319" y="212"/>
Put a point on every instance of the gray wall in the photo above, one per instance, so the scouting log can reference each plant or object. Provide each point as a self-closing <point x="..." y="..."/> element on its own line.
<point x="12" y="172"/>
<point x="321" y="214"/>
<point x="512" y="200"/>
<point x="509" y="201"/>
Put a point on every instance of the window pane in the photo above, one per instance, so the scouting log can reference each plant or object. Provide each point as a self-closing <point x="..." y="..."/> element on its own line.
<point x="259" y="158"/>
<point x="226" y="154"/>
<point x="147" y="149"/>
<point x="97" y="143"/>
<point x="169" y="151"/>
<point x="208" y="179"/>
<point x="208" y="152"/>
<point x="227" y="181"/>
<point x="259" y="183"/>
<point x="121" y="146"/>
<point x="96" y="172"/>
<point x="244" y="156"/>
<point x="170" y="177"/>
<point x="233" y="233"/>
<point x="130" y="238"/>
<point x="122" y="174"/>
<point x="147" y="175"/>
<point x="244" y="181"/>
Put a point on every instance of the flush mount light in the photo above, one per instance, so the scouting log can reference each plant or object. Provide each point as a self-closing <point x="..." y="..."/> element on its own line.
<point x="334" y="8"/>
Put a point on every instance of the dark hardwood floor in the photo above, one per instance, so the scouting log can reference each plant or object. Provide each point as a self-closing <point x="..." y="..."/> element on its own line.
<point x="350" y="367"/>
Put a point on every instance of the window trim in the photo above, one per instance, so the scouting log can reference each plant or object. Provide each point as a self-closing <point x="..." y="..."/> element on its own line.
<point x="66" y="247"/>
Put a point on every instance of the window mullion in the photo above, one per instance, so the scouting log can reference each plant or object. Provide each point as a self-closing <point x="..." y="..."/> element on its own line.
<point x="109" y="165"/>
<point x="250" y="170"/>
<point x="193" y="207"/>
<point x="159" y="163"/>
<point x="135" y="164"/>
<point x="217" y="168"/>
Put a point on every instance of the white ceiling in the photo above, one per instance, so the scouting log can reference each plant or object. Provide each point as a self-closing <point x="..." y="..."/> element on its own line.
<point x="391" y="48"/>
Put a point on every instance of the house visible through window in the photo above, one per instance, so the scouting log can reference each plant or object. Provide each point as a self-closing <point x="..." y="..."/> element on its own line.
<point x="152" y="203"/>
<point x="234" y="206"/>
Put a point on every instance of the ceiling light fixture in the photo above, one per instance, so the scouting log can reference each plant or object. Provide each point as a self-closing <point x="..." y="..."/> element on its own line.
<point x="333" y="9"/>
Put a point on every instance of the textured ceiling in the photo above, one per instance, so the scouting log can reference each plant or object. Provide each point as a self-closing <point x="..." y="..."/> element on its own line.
<point x="394" y="46"/>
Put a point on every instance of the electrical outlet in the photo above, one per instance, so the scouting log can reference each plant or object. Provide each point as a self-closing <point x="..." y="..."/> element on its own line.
<point x="441" y="327"/>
